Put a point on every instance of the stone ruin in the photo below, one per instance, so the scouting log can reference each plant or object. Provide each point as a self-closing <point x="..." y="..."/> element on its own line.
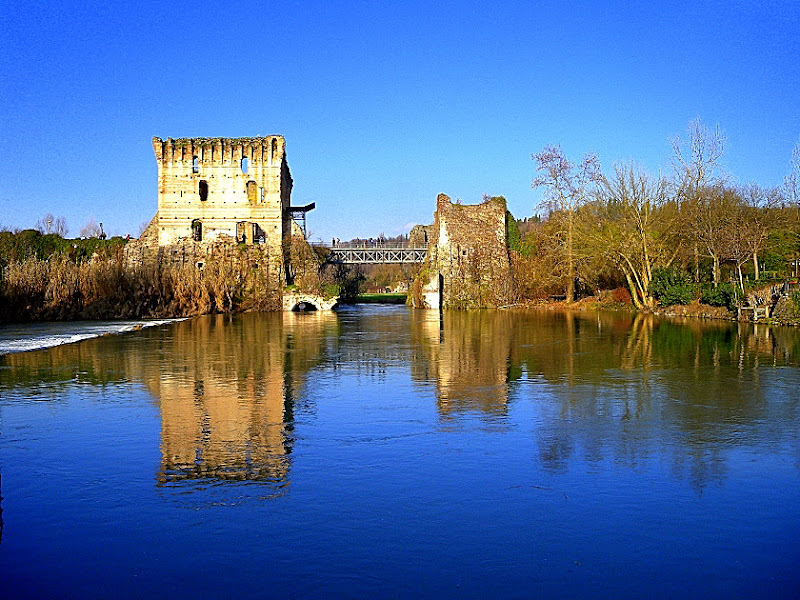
<point x="467" y="264"/>
<point x="219" y="194"/>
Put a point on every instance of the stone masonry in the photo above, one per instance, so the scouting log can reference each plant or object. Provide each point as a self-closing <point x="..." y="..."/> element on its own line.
<point x="210" y="189"/>
<point x="229" y="199"/>
<point x="467" y="265"/>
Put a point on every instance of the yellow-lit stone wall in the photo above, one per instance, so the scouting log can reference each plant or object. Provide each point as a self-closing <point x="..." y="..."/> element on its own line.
<point x="237" y="188"/>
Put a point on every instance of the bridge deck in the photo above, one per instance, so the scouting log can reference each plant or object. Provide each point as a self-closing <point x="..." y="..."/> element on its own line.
<point x="376" y="255"/>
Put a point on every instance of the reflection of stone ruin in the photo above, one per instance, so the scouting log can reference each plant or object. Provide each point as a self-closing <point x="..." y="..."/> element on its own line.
<point x="219" y="194"/>
<point x="467" y="265"/>
<point x="467" y="355"/>
<point x="227" y="393"/>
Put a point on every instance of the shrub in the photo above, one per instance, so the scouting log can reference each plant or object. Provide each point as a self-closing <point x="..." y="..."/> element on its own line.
<point x="672" y="286"/>
<point x="725" y="294"/>
<point x="796" y="301"/>
<point x="621" y="295"/>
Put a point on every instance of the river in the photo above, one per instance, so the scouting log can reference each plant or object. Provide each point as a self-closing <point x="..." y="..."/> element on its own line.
<point x="379" y="451"/>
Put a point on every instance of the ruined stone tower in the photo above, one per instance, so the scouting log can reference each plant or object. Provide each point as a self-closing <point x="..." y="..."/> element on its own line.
<point x="212" y="189"/>
<point x="467" y="264"/>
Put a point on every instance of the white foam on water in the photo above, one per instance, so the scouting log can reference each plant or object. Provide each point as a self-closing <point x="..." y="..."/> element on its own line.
<point x="37" y="336"/>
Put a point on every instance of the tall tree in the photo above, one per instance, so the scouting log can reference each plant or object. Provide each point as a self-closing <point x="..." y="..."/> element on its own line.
<point x="758" y="216"/>
<point x="709" y="222"/>
<point x="697" y="168"/>
<point x="791" y="183"/>
<point x="567" y="186"/>
<point x="635" y="226"/>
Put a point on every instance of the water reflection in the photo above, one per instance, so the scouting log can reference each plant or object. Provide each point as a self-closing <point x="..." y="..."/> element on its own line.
<point x="619" y="386"/>
<point x="226" y="386"/>
<point x="227" y="389"/>
<point x="468" y="356"/>
<point x="591" y="386"/>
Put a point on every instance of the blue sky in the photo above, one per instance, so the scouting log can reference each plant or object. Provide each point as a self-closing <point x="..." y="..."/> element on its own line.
<point x="383" y="105"/>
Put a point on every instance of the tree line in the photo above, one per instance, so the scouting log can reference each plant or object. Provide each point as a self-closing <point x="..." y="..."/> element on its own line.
<point x="694" y="234"/>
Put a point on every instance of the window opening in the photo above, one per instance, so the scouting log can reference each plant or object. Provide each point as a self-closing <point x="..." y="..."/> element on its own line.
<point x="203" y="189"/>
<point x="197" y="230"/>
<point x="195" y="165"/>
<point x="259" y="237"/>
<point x="245" y="165"/>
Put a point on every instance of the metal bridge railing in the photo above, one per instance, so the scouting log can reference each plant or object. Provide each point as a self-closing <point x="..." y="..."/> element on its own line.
<point x="376" y="255"/>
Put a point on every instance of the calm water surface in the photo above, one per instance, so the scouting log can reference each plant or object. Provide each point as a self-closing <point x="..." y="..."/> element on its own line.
<point x="384" y="452"/>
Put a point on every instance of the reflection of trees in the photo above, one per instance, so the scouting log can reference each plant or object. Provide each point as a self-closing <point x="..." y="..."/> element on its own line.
<point x="599" y="387"/>
<point x="619" y="386"/>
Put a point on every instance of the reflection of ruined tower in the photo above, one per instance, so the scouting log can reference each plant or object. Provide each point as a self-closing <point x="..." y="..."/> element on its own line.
<point x="226" y="390"/>
<point x="224" y="188"/>
<point x="467" y="265"/>
<point x="467" y="354"/>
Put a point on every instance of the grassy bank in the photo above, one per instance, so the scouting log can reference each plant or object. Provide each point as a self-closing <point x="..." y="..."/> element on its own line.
<point x="380" y="299"/>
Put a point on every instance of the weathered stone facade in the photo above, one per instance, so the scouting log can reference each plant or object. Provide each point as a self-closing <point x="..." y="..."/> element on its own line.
<point x="226" y="199"/>
<point x="215" y="188"/>
<point x="419" y="236"/>
<point x="467" y="265"/>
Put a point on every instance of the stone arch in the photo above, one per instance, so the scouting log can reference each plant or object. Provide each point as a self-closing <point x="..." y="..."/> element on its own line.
<point x="305" y="306"/>
<point x="310" y="302"/>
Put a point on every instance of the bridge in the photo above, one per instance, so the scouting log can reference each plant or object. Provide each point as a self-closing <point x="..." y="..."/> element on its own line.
<point x="375" y="253"/>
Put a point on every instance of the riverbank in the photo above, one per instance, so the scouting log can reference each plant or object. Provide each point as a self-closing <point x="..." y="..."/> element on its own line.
<point x="784" y="312"/>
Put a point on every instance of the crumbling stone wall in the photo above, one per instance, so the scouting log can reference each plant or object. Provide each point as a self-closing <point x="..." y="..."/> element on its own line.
<point x="214" y="188"/>
<point x="419" y="236"/>
<point x="467" y="265"/>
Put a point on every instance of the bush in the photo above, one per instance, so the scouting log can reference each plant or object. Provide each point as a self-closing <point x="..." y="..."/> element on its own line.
<point x="621" y="295"/>
<point x="796" y="301"/>
<point x="725" y="294"/>
<point x="672" y="286"/>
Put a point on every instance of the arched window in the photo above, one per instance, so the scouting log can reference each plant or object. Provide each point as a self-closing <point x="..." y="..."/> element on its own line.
<point x="245" y="165"/>
<point x="195" y="164"/>
<point x="197" y="230"/>
<point x="203" y="190"/>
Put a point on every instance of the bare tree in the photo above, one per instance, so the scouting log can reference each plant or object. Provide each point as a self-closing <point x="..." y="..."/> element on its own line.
<point x="90" y="229"/>
<point x="709" y="222"/>
<point x="45" y="224"/>
<point x="567" y="187"/>
<point x="791" y="183"/>
<point x="759" y="215"/>
<point x="697" y="167"/>
<point x="60" y="227"/>
<point x="697" y="161"/>
<point x="635" y="226"/>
